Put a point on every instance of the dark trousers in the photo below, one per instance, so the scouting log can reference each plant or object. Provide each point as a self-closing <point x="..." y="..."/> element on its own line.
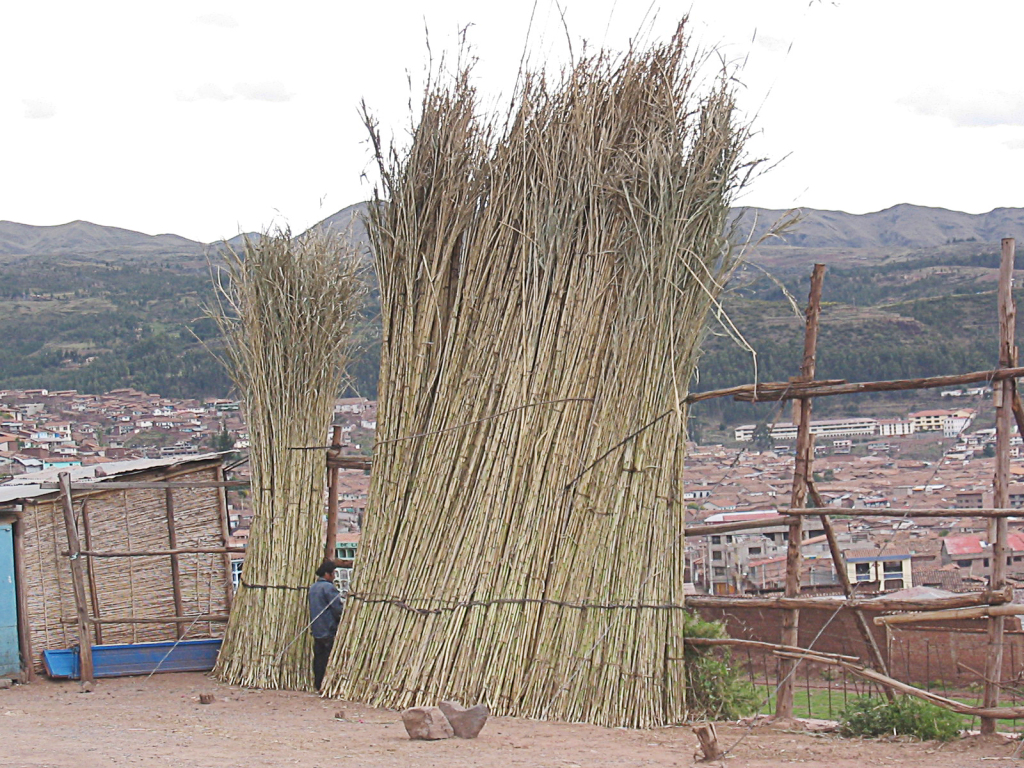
<point x="321" y="652"/>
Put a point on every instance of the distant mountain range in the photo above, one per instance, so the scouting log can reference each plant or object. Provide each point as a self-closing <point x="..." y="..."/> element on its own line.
<point x="900" y="227"/>
<point x="83" y="238"/>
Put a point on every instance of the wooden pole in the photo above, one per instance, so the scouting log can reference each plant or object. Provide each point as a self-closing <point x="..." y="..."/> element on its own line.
<point x="78" y="581"/>
<point x="172" y="542"/>
<point x="94" y="594"/>
<point x="732" y="641"/>
<point x="902" y="513"/>
<point x="1001" y="482"/>
<point x="147" y="485"/>
<point x="225" y="533"/>
<point x="740" y="525"/>
<point x="953" y="614"/>
<point x="792" y="390"/>
<point x="28" y="669"/>
<point x="215" y="617"/>
<point x="839" y="563"/>
<point x="162" y="552"/>
<point x="333" y="480"/>
<point x="801" y="471"/>
<point x="872" y="605"/>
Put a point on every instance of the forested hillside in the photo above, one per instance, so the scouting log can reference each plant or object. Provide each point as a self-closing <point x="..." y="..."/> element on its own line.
<point x="919" y="313"/>
<point x="135" y="316"/>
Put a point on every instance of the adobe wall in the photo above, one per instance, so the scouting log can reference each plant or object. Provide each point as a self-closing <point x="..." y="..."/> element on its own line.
<point x="951" y="653"/>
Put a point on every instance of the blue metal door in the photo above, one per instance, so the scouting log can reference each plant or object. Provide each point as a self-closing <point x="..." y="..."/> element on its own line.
<point x="10" y="658"/>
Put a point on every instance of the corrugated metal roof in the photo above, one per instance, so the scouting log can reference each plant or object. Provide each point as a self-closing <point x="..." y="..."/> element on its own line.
<point x="963" y="545"/>
<point x="734" y="517"/>
<point x="27" y="486"/>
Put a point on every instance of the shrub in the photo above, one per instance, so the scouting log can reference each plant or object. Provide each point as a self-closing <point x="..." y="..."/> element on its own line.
<point x="874" y="716"/>
<point x="714" y="688"/>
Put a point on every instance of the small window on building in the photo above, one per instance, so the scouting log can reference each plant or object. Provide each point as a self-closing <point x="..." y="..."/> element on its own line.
<point x="892" y="566"/>
<point x="754" y="551"/>
<point x="964" y="563"/>
<point x="716" y="539"/>
<point x="719" y="571"/>
<point x="236" y="573"/>
<point x="863" y="571"/>
<point x="716" y="555"/>
<point x="985" y="562"/>
<point x="893" y="584"/>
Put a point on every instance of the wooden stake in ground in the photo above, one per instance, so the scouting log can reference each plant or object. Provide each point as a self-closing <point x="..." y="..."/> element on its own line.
<point x="1001" y="483"/>
<point x="287" y="313"/>
<point x="708" y="738"/>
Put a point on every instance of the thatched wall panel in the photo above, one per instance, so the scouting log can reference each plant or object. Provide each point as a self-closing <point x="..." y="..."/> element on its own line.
<point x="135" y="587"/>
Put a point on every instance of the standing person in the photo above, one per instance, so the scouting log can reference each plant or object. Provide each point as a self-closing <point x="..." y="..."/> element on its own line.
<point x="324" y="611"/>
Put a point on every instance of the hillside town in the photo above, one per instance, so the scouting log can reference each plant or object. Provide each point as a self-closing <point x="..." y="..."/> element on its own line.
<point x="44" y="430"/>
<point x="857" y="466"/>
<point x="854" y="469"/>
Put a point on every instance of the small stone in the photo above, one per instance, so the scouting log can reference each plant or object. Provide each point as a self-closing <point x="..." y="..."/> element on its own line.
<point x="466" y="723"/>
<point x="339" y="715"/>
<point x="426" y="724"/>
<point x="85" y="687"/>
<point x="5" y="683"/>
<point x="206" y="698"/>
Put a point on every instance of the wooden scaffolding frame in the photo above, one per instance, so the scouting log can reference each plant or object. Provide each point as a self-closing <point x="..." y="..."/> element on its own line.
<point x="990" y="604"/>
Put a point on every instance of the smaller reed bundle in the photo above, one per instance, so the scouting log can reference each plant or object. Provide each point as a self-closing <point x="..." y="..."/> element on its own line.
<point x="544" y="286"/>
<point x="286" y="315"/>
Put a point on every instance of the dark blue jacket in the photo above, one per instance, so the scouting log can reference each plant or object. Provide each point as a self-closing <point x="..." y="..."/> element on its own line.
<point x="324" y="609"/>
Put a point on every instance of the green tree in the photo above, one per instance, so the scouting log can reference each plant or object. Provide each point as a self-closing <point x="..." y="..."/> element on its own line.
<point x="762" y="437"/>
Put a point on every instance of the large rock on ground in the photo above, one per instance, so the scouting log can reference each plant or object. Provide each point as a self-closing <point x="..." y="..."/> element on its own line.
<point x="427" y="724"/>
<point x="466" y="723"/>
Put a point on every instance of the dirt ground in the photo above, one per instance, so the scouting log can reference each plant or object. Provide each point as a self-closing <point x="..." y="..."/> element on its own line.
<point x="160" y="722"/>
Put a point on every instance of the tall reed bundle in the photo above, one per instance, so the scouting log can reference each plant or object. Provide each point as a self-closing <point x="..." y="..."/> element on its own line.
<point x="286" y="316"/>
<point x="544" y="284"/>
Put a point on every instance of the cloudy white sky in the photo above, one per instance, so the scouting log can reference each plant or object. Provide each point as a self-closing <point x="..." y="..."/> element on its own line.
<point x="209" y="118"/>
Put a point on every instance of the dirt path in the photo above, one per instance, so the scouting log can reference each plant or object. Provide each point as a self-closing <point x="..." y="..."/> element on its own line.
<point x="159" y="722"/>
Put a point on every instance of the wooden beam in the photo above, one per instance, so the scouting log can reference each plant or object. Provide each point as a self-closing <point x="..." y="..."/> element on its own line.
<point x="363" y="463"/>
<point x="740" y="525"/>
<point x="75" y="548"/>
<point x="776" y="390"/>
<point x="214" y="617"/>
<point x="798" y="499"/>
<point x="94" y="593"/>
<point x="1001" y="481"/>
<point x="897" y="513"/>
<point x="172" y="543"/>
<point x="733" y="641"/>
<point x="839" y="565"/>
<point x="954" y="614"/>
<point x="333" y="480"/>
<point x="143" y="485"/>
<point x="1008" y="713"/>
<point x="225" y="533"/>
<point x="873" y="605"/>
<point x="28" y="670"/>
<point x="164" y="552"/>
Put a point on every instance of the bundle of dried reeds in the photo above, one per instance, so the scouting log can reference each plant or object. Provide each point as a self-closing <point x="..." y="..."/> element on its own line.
<point x="544" y="285"/>
<point x="286" y="316"/>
